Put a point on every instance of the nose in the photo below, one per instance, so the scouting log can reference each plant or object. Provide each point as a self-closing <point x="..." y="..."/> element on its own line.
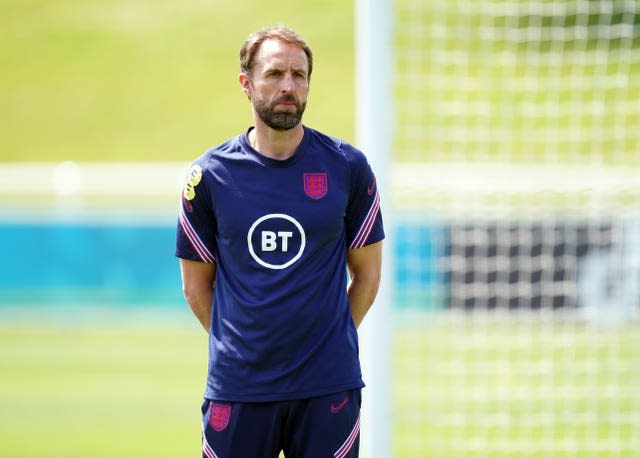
<point x="287" y="83"/>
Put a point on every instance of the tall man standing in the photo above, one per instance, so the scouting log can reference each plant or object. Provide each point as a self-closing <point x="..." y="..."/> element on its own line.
<point x="269" y="224"/>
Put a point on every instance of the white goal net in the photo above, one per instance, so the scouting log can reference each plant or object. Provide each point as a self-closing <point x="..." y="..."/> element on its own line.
<point x="516" y="202"/>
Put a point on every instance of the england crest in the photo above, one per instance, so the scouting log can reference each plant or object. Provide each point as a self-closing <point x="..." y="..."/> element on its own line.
<point x="219" y="415"/>
<point x="316" y="185"/>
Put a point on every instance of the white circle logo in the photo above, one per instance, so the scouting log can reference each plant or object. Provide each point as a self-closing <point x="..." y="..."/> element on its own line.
<point x="276" y="237"/>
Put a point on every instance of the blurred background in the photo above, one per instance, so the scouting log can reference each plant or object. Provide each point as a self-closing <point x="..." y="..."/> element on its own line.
<point x="513" y="200"/>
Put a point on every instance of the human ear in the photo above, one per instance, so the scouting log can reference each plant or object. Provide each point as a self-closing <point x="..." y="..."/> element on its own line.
<point x="245" y="83"/>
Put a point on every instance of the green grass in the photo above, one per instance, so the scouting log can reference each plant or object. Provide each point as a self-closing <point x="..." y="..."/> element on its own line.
<point x="469" y="92"/>
<point x="516" y="387"/>
<point x="90" y="80"/>
<point x="506" y="388"/>
<point x="151" y="79"/>
<point x="76" y="390"/>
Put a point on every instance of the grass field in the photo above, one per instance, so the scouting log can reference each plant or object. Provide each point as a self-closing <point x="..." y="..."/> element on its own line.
<point x="91" y="80"/>
<point x="100" y="390"/>
<point x="463" y="388"/>
<point x="517" y="81"/>
<point x="516" y="386"/>
<point x="157" y="80"/>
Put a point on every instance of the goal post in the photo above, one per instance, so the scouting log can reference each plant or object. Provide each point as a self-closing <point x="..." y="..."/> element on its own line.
<point x="374" y="115"/>
<point x="504" y="134"/>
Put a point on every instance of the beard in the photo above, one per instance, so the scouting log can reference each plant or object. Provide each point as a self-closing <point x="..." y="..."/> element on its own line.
<point x="282" y="120"/>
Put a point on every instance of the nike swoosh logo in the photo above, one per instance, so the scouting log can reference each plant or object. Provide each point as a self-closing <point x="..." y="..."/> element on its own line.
<point x="335" y="408"/>
<point x="371" y="187"/>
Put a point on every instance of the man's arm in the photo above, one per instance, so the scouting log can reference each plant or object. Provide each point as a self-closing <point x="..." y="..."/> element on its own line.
<point x="197" y="286"/>
<point x="364" y="269"/>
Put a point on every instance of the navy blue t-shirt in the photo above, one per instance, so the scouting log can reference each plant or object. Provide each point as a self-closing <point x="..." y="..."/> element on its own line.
<point x="279" y="231"/>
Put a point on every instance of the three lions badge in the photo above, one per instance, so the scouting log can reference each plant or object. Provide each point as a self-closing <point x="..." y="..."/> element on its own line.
<point x="219" y="415"/>
<point x="316" y="185"/>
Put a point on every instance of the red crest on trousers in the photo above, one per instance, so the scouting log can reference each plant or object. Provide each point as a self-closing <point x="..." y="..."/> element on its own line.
<point x="316" y="185"/>
<point x="219" y="415"/>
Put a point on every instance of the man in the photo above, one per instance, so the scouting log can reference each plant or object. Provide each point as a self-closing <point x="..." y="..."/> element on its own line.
<point x="269" y="223"/>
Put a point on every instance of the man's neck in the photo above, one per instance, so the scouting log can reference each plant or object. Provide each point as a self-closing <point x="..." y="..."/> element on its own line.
<point x="273" y="143"/>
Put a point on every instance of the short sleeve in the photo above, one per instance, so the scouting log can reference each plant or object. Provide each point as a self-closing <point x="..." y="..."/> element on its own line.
<point x="195" y="235"/>
<point x="364" y="218"/>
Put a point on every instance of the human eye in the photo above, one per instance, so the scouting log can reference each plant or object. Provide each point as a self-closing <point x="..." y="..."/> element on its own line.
<point x="300" y="74"/>
<point x="273" y="73"/>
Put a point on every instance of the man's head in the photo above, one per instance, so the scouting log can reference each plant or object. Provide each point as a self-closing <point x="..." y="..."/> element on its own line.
<point x="278" y="32"/>
<point x="276" y="66"/>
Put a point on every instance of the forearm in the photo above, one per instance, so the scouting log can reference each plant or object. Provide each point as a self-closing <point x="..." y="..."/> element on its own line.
<point x="197" y="287"/>
<point x="362" y="292"/>
<point x="200" y="304"/>
<point x="364" y="269"/>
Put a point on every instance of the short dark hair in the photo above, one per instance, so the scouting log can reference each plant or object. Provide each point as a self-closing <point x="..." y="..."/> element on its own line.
<point x="279" y="32"/>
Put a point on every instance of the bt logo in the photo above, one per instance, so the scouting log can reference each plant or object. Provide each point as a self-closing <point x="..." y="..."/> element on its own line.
<point x="276" y="240"/>
<point x="270" y="243"/>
